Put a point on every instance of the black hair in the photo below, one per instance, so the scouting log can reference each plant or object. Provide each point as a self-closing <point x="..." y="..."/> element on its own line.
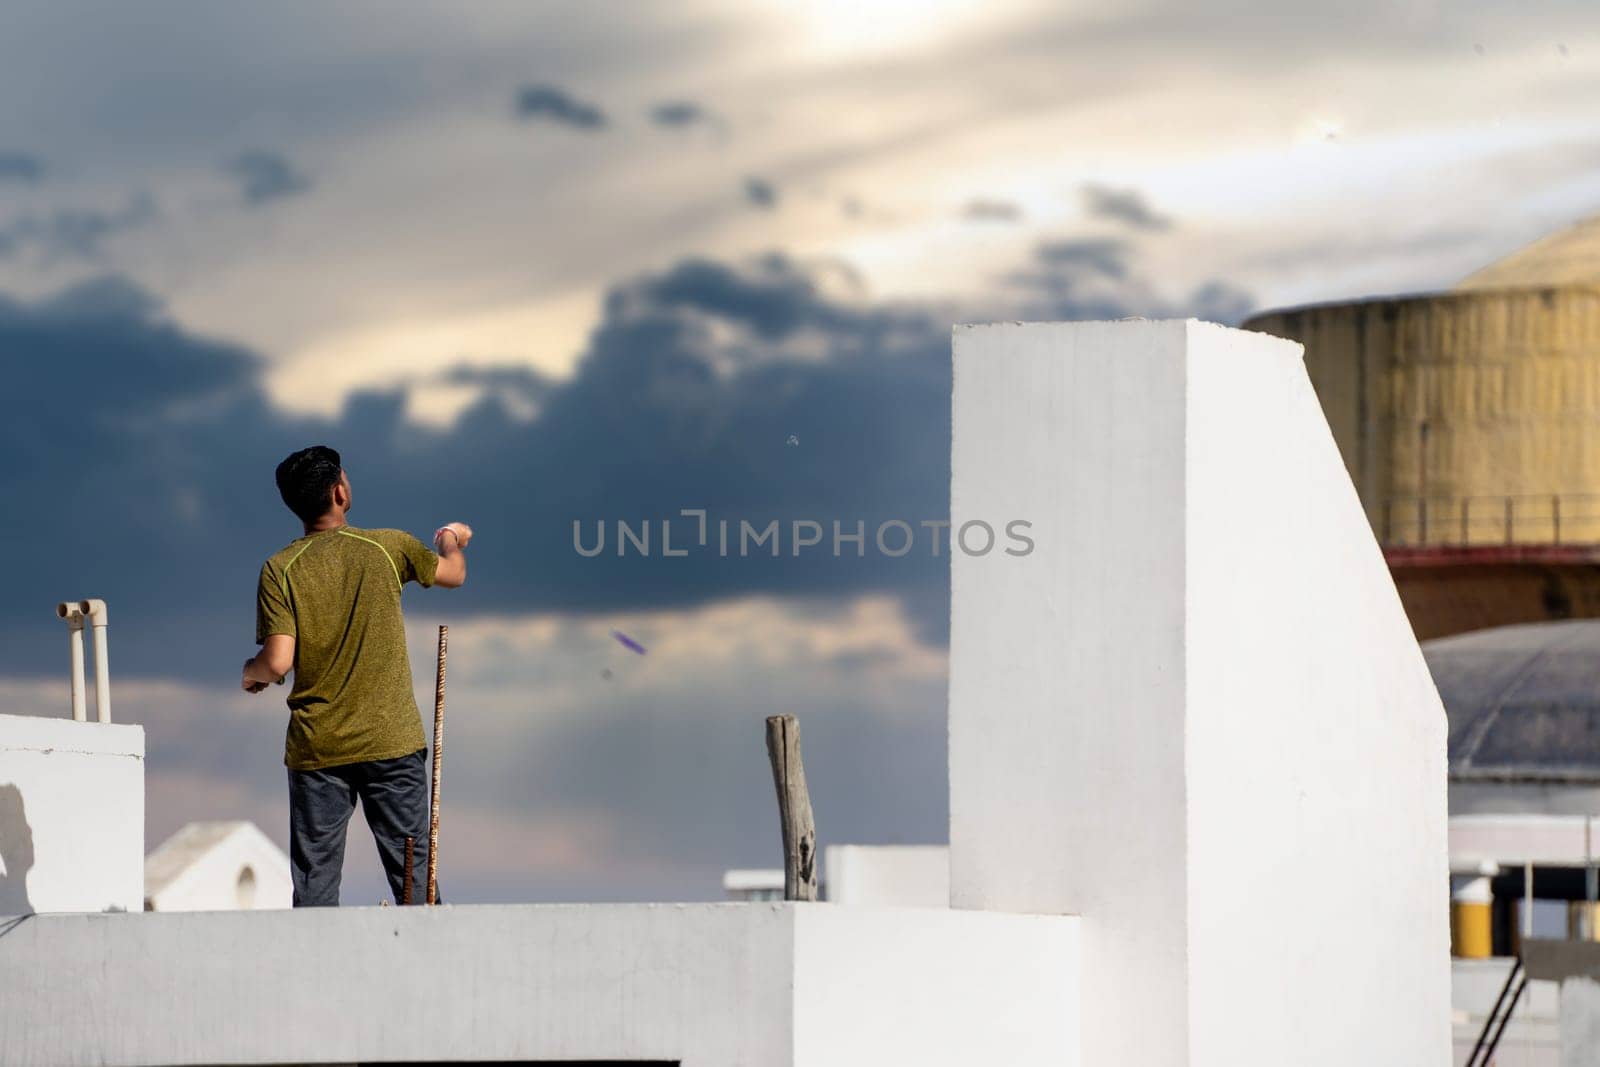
<point x="306" y="480"/>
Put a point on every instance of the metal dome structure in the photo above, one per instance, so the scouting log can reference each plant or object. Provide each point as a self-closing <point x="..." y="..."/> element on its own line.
<point x="1523" y="702"/>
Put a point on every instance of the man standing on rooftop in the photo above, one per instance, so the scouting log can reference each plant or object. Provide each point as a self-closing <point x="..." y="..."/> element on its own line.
<point x="328" y="607"/>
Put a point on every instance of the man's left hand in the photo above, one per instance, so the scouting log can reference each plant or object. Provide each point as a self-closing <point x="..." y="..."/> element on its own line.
<point x="249" y="684"/>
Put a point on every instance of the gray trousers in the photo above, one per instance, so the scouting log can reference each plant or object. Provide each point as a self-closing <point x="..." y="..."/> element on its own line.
<point x="394" y="798"/>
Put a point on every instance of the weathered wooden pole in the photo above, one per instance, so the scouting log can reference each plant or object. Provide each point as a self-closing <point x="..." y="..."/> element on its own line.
<point x="438" y="765"/>
<point x="794" y="809"/>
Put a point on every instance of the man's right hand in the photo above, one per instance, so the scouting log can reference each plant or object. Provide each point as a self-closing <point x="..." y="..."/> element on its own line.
<point x="460" y="533"/>
<point x="450" y="539"/>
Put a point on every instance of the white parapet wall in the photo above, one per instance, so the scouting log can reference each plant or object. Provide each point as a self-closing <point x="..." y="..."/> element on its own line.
<point x="71" y="815"/>
<point x="704" y="985"/>
<point x="1195" y="714"/>
<point x="902" y="876"/>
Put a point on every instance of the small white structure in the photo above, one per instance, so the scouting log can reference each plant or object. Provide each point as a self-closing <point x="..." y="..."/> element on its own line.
<point x="217" y="866"/>
<point x="884" y="876"/>
<point x="753" y="883"/>
<point x="71" y="815"/>
<point x="1196" y="714"/>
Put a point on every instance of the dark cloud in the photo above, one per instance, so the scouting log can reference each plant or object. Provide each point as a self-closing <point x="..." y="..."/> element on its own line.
<point x="146" y="443"/>
<point x="1096" y="278"/>
<point x="559" y="106"/>
<point x="20" y="167"/>
<point x="266" y="176"/>
<point x="1127" y="206"/>
<point x="1096" y="256"/>
<point x="71" y="232"/>
<point x="761" y="193"/>
<point x="680" y="113"/>
<point x="988" y="210"/>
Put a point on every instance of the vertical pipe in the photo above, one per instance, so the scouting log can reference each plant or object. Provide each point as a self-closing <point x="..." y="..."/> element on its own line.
<point x="1555" y="520"/>
<point x="79" y="698"/>
<point x="1527" y="901"/>
<point x="69" y="610"/>
<point x="1509" y="519"/>
<point x="1422" y="480"/>
<point x="1589" y="882"/>
<point x="96" y="611"/>
<point x="102" y="675"/>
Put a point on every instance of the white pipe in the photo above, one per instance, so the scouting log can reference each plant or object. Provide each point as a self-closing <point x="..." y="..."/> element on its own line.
<point x="96" y="611"/>
<point x="1527" y="901"/>
<point x="74" y="617"/>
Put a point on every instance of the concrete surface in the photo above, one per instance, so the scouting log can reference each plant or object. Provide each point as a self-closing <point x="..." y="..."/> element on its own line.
<point x="1580" y="1022"/>
<point x="712" y="985"/>
<point x="906" y="876"/>
<point x="1195" y="715"/>
<point x="1532" y="1038"/>
<point x="71" y="815"/>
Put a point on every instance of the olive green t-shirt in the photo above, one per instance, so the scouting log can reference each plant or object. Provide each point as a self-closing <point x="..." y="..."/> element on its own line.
<point x="337" y="593"/>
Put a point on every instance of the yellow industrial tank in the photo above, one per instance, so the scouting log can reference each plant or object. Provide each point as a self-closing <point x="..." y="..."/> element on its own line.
<point x="1470" y="424"/>
<point x="1465" y="418"/>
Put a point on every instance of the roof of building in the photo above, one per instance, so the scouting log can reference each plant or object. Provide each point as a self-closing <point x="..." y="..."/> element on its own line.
<point x="185" y="848"/>
<point x="1523" y="701"/>
<point x="1569" y="256"/>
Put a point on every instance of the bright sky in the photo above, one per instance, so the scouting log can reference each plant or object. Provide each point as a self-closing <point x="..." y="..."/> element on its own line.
<point x="1299" y="152"/>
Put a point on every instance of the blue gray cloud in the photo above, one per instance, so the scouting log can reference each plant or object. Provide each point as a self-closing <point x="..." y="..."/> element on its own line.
<point x="680" y="113"/>
<point x="689" y="389"/>
<point x="1127" y="206"/>
<point x="66" y="233"/>
<point x="761" y="192"/>
<point x="266" y="176"/>
<point x="553" y="104"/>
<point x="20" y="167"/>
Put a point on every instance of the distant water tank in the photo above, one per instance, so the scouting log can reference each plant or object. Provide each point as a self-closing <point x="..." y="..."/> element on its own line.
<point x="1469" y="421"/>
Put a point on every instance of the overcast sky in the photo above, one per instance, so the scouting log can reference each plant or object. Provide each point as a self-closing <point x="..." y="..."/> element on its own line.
<point x="526" y="263"/>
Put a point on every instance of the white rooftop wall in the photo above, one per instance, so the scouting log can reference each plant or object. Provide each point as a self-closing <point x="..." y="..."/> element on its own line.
<point x="712" y="985"/>
<point x="1195" y="714"/>
<point x="881" y="876"/>
<point x="71" y="815"/>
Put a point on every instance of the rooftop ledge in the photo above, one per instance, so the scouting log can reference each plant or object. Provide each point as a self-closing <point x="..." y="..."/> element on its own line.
<point x="704" y="985"/>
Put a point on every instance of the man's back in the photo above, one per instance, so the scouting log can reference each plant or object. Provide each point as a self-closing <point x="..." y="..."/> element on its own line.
<point x="337" y="593"/>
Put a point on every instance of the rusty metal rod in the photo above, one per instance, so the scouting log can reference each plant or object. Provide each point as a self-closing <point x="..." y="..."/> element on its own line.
<point x="438" y="763"/>
<point x="405" y="893"/>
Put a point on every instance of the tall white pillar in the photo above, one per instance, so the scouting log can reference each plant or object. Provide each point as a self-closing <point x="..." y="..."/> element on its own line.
<point x="1195" y="713"/>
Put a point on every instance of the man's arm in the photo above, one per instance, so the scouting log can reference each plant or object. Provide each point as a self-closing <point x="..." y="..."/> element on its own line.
<point x="450" y="541"/>
<point x="275" y="660"/>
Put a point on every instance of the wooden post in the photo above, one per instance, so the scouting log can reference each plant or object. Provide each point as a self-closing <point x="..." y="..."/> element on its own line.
<point x="438" y="765"/>
<point x="794" y="809"/>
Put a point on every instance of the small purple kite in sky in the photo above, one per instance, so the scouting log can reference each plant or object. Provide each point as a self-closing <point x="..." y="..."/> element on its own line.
<point x="628" y="642"/>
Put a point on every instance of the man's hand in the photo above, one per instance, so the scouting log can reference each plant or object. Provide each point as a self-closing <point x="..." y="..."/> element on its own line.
<point x="271" y="664"/>
<point x="249" y="684"/>
<point x="450" y="540"/>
